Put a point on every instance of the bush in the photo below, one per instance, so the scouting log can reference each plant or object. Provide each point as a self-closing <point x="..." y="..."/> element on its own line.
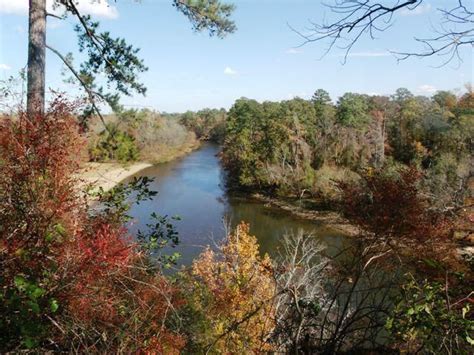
<point x="71" y="279"/>
<point x="326" y="180"/>
<point x="433" y="316"/>
<point x="230" y="298"/>
<point x="131" y="135"/>
<point x="113" y="144"/>
<point x="160" y="138"/>
<point x="38" y="211"/>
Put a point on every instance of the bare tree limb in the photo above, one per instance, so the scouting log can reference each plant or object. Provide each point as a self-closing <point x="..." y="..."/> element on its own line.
<point x="359" y="18"/>
<point x="90" y="93"/>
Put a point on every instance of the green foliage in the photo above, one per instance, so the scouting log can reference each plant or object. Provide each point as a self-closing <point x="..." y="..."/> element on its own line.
<point x="139" y="135"/>
<point x="428" y="316"/>
<point x="111" y="56"/>
<point x="161" y="234"/>
<point x="299" y="147"/>
<point x="446" y="101"/>
<point x="114" y="144"/>
<point x="118" y="61"/>
<point x="116" y="201"/>
<point x="352" y="110"/>
<point x="211" y="15"/>
<point x="207" y="124"/>
<point x="27" y="303"/>
<point x="321" y="101"/>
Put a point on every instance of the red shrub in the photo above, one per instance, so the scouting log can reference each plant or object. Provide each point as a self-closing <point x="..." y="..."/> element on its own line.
<point x="393" y="210"/>
<point x="38" y="207"/>
<point x="68" y="277"/>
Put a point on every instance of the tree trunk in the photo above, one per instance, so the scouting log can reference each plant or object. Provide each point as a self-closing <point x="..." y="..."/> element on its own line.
<point x="35" y="102"/>
<point x="379" y="156"/>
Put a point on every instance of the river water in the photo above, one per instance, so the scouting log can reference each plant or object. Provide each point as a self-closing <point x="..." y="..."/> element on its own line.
<point x="193" y="188"/>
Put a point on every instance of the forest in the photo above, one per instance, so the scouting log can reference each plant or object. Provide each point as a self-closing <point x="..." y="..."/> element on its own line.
<point x="305" y="147"/>
<point x="397" y="168"/>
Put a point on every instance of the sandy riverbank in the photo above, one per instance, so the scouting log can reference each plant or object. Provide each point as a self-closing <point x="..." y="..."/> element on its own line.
<point x="107" y="175"/>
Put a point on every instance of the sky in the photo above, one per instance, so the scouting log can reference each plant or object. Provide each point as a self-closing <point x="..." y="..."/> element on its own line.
<point x="262" y="60"/>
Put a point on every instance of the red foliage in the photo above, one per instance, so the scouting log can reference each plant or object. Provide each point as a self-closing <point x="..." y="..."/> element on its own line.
<point x="98" y="279"/>
<point x="387" y="206"/>
<point x="391" y="209"/>
<point x="38" y="204"/>
<point x="91" y="258"/>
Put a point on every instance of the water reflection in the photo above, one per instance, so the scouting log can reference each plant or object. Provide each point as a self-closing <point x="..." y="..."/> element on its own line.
<point x="192" y="187"/>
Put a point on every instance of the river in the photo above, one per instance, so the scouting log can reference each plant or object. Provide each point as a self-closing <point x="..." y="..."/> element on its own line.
<point x="192" y="187"/>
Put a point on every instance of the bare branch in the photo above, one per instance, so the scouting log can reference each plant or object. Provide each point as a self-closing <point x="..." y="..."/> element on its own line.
<point x="358" y="18"/>
<point x="90" y="93"/>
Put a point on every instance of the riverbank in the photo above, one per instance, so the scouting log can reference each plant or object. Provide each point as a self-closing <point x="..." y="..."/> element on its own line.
<point x="326" y="217"/>
<point x="108" y="175"/>
<point x="166" y="154"/>
<point x="463" y="235"/>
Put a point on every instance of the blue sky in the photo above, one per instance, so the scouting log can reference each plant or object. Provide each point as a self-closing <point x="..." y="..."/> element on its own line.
<point x="193" y="71"/>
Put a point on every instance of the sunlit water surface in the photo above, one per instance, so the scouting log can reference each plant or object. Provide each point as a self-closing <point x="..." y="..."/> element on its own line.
<point x="193" y="188"/>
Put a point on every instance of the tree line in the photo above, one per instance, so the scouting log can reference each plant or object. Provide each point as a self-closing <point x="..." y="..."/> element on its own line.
<point x="299" y="147"/>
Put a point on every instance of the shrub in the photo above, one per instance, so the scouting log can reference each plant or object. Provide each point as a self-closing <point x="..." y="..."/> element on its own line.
<point x="231" y="297"/>
<point x="326" y="181"/>
<point x="160" y="138"/>
<point x="433" y="316"/>
<point x="131" y="135"/>
<point x="71" y="279"/>
<point x="39" y="212"/>
<point x="113" y="144"/>
<point x="393" y="210"/>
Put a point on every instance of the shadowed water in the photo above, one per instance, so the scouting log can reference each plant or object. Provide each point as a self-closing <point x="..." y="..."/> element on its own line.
<point x="193" y="188"/>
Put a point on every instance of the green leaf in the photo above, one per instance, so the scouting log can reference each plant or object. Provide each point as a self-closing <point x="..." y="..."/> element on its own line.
<point x="35" y="292"/>
<point x="34" y="306"/>
<point x="60" y="229"/>
<point x="30" y="343"/>
<point x="53" y="305"/>
<point x="20" y="282"/>
<point x="49" y="237"/>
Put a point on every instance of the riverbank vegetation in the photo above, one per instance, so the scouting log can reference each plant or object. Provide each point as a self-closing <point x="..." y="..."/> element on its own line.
<point x="138" y="135"/>
<point x="148" y="136"/>
<point x="303" y="147"/>
<point x="73" y="279"/>
<point x="207" y="124"/>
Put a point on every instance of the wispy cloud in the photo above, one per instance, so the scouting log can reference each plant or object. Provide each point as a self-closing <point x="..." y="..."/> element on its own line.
<point x="419" y="10"/>
<point x="230" y="71"/>
<point x="54" y="23"/>
<point x="4" y="66"/>
<point x="293" y="51"/>
<point x="98" y="8"/>
<point x="369" y="54"/>
<point x="426" y="89"/>
<point x="17" y="7"/>
<point x="102" y="8"/>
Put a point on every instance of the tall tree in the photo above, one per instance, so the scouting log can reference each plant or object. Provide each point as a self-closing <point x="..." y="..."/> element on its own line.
<point x="36" y="56"/>
<point x="110" y="56"/>
<point x="353" y="110"/>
